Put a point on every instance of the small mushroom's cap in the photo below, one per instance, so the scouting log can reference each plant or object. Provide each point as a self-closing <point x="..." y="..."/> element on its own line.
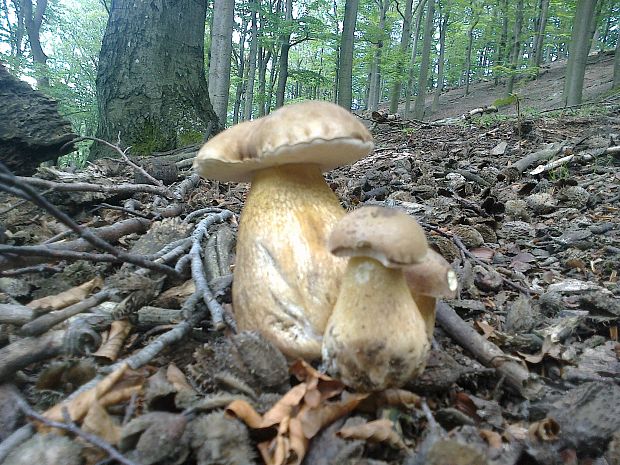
<point x="389" y="236"/>
<point x="312" y="132"/>
<point x="433" y="277"/>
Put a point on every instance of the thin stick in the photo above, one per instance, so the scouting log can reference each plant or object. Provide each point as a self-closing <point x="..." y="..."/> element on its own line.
<point x="74" y="429"/>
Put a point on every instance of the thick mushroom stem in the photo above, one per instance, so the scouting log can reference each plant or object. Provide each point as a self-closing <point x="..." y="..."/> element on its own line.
<point x="285" y="280"/>
<point x="376" y="337"/>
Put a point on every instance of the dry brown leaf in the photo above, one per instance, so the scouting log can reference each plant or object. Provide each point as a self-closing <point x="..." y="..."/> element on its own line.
<point x="111" y="347"/>
<point x="549" y="348"/>
<point x="99" y="422"/>
<point x="544" y="430"/>
<point x="117" y="387"/>
<point x="492" y="438"/>
<point x="178" y="379"/>
<point x="314" y="419"/>
<point x="487" y="330"/>
<point x="245" y="412"/>
<point x="68" y="297"/>
<point x="175" y="296"/>
<point x="398" y="397"/>
<point x="285" y="406"/>
<point x="375" y="431"/>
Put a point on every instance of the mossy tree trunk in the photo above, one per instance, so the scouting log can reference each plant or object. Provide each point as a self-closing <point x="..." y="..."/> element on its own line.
<point x="151" y="86"/>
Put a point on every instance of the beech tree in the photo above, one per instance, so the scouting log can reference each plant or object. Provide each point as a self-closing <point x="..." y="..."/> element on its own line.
<point x="581" y="37"/>
<point x="220" y="56"/>
<point x="345" y="61"/>
<point x="151" y="86"/>
<point x="418" y="108"/>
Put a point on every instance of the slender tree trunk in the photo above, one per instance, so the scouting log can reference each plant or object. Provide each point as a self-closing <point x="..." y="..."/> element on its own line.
<point x="404" y="46"/>
<point x="265" y="58"/>
<point x="345" y="78"/>
<point x="503" y="40"/>
<point x="249" y="91"/>
<point x="221" y="56"/>
<point x="610" y="18"/>
<point x="151" y="84"/>
<point x="539" y="37"/>
<point x="429" y="29"/>
<point x="33" y="22"/>
<point x="414" y="52"/>
<point x="17" y="48"/>
<point x="595" y="32"/>
<point x="516" y="49"/>
<point x="285" y="46"/>
<point x="273" y="76"/>
<point x="616" y="83"/>
<point x="470" y="43"/>
<point x="240" y="71"/>
<point x="578" y="51"/>
<point x="337" y="34"/>
<point x="375" y="70"/>
<point x="443" y="27"/>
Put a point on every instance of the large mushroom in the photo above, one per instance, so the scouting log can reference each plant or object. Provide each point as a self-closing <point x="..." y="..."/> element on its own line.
<point x="285" y="280"/>
<point x="376" y="336"/>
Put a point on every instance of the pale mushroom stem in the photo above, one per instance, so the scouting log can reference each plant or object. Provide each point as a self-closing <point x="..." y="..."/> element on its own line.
<point x="376" y="337"/>
<point x="282" y="264"/>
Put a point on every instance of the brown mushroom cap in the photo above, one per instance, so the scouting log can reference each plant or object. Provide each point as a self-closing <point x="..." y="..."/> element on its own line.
<point x="390" y="236"/>
<point x="312" y="132"/>
<point x="432" y="277"/>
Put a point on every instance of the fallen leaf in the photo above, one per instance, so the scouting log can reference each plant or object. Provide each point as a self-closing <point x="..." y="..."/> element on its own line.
<point x="381" y="431"/>
<point x="544" y="430"/>
<point x="111" y="347"/>
<point x="493" y="439"/>
<point x="68" y="297"/>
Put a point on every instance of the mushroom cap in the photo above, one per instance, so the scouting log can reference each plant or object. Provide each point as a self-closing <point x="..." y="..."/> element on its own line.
<point x="314" y="132"/>
<point x="390" y="236"/>
<point x="432" y="277"/>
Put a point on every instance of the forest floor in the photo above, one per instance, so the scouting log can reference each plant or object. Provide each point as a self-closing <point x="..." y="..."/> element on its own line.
<point x="525" y="366"/>
<point x="535" y="95"/>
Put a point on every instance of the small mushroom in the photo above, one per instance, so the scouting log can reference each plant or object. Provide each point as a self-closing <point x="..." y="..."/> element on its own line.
<point x="429" y="280"/>
<point x="285" y="280"/>
<point x="376" y="336"/>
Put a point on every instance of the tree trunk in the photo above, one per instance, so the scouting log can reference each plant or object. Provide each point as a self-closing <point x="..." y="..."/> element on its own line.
<point x="151" y="85"/>
<point x="470" y="43"/>
<point x="17" y="48"/>
<point x="595" y="20"/>
<point x="33" y="22"/>
<point x="249" y="90"/>
<point x="539" y="37"/>
<point x="375" y="70"/>
<point x="285" y="46"/>
<point x="265" y="58"/>
<point x="400" y="65"/>
<point x="443" y="27"/>
<point x="503" y="40"/>
<point x="578" y="51"/>
<point x="420" y="101"/>
<point x="616" y="83"/>
<point x="414" y="52"/>
<point x="345" y="77"/>
<point x="273" y="75"/>
<point x="516" y="49"/>
<point x="221" y="56"/>
<point x="240" y="71"/>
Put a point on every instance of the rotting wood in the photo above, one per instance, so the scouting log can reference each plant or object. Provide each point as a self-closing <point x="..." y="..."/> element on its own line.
<point x="514" y="171"/>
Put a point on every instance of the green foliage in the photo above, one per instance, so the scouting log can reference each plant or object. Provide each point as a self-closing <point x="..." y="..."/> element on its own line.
<point x="189" y="137"/>
<point x="504" y="102"/>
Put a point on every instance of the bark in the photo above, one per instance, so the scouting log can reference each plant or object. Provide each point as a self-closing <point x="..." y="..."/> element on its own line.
<point x="499" y="60"/>
<point x="420" y="101"/>
<point x="594" y="25"/>
<point x="578" y="51"/>
<point x="470" y="42"/>
<point x="414" y="52"/>
<point x="220" y="57"/>
<point x="404" y="46"/>
<point x="616" y="83"/>
<point x="337" y="34"/>
<point x="443" y="26"/>
<point x="17" y="48"/>
<point x="285" y="47"/>
<point x="539" y="37"/>
<point x="345" y="78"/>
<point x="249" y="91"/>
<point x="33" y="22"/>
<point x="516" y="49"/>
<point x="375" y="70"/>
<point x="151" y="86"/>
<point x="240" y="71"/>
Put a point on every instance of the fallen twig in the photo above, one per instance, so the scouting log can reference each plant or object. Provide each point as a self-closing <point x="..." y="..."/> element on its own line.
<point x="517" y="375"/>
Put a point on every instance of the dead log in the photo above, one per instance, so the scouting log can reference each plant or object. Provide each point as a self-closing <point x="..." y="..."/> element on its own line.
<point x="514" y="171"/>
